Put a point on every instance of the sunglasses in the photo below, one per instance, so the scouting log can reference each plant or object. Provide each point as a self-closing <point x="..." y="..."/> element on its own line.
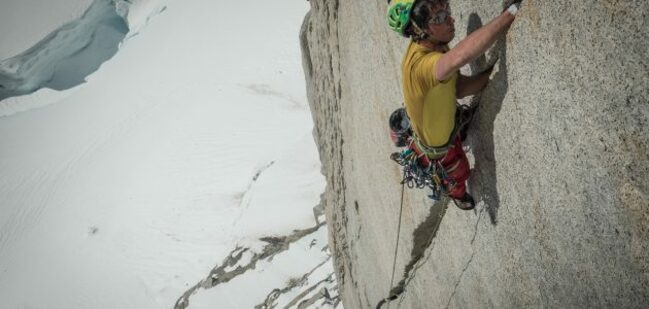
<point x="441" y="16"/>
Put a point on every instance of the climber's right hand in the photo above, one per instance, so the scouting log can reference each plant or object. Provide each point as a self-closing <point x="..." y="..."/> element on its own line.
<point x="512" y="6"/>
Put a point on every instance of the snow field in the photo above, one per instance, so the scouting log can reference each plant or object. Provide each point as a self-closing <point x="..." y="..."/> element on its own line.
<point x="130" y="188"/>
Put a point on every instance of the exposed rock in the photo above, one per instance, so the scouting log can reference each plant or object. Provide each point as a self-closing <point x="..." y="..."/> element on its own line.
<point x="307" y="297"/>
<point x="237" y="263"/>
<point x="561" y="151"/>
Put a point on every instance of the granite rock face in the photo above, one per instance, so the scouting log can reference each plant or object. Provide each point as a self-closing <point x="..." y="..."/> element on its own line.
<point x="559" y="150"/>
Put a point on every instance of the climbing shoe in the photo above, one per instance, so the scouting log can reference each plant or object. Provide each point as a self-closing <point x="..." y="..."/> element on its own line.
<point x="466" y="202"/>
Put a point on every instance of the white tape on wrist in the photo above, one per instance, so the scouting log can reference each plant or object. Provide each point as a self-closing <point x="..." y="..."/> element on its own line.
<point x="513" y="9"/>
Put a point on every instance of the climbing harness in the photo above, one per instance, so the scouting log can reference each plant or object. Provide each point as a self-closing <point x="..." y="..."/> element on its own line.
<point x="421" y="164"/>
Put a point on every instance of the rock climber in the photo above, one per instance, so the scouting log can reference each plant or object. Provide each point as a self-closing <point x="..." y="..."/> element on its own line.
<point x="432" y="83"/>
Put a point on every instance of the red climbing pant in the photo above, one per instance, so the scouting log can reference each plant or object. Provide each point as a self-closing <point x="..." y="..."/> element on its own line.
<point x="457" y="168"/>
<point x="455" y="164"/>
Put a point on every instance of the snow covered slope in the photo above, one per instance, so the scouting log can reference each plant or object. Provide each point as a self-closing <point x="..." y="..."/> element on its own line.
<point x="190" y="144"/>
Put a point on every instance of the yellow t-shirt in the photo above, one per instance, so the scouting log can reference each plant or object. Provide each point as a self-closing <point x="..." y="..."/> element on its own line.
<point x="430" y="104"/>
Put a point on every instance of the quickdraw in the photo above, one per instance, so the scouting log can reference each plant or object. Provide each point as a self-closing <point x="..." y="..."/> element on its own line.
<point x="420" y="173"/>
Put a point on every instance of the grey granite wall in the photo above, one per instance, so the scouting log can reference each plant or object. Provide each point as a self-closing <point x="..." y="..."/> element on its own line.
<point x="559" y="149"/>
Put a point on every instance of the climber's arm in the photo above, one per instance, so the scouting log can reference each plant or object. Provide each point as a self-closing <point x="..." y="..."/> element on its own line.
<point x="470" y="85"/>
<point x="472" y="46"/>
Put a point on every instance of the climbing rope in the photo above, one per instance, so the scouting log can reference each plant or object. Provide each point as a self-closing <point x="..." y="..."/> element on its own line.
<point x="396" y="247"/>
<point x="393" y="296"/>
<point x="434" y="176"/>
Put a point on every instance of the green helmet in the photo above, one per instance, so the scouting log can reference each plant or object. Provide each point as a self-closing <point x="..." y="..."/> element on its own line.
<point x="399" y="15"/>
